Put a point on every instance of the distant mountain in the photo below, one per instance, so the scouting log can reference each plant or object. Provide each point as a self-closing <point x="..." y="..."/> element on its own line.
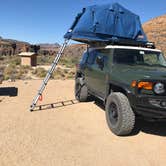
<point x="48" y="46"/>
<point x="9" y="41"/>
<point x="155" y="30"/>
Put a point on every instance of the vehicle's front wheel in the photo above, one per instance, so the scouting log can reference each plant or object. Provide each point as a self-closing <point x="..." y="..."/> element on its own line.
<point x="119" y="114"/>
<point x="81" y="90"/>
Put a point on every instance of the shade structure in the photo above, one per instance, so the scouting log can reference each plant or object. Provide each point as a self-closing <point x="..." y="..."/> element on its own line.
<point x="106" y="23"/>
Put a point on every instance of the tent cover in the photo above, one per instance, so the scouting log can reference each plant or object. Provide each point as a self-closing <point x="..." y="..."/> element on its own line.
<point x="106" y="23"/>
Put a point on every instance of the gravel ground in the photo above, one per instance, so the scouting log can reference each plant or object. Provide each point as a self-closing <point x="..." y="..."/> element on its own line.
<point x="73" y="135"/>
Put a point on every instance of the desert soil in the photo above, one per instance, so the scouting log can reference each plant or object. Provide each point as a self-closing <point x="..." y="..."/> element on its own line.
<point x="73" y="135"/>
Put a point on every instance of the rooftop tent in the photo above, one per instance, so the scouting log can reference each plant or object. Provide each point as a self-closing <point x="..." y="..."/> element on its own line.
<point x="106" y="23"/>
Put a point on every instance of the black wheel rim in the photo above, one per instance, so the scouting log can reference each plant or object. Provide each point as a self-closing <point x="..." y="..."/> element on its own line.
<point x="113" y="113"/>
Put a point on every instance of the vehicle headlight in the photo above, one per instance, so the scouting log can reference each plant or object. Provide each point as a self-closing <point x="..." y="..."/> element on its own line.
<point x="159" y="88"/>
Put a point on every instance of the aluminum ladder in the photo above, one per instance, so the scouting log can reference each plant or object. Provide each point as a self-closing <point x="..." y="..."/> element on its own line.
<point x="46" y="79"/>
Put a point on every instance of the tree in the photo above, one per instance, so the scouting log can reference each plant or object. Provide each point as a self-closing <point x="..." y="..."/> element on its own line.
<point x="35" y="48"/>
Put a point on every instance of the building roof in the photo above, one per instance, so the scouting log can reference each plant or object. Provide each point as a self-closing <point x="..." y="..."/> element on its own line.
<point x="28" y="54"/>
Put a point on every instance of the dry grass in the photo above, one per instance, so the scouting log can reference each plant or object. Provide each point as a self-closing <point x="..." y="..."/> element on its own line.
<point x="11" y="68"/>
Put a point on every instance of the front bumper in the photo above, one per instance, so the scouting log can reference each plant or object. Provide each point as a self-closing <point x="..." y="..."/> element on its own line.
<point x="151" y="106"/>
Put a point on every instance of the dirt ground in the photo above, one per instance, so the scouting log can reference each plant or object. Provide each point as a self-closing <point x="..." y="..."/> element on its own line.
<point x="73" y="135"/>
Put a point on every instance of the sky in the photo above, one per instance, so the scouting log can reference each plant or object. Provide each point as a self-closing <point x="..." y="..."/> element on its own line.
<point x="46" y="21"/>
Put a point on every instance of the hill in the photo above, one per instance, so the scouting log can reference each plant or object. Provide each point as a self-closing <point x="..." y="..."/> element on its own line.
<point x="75" y="50"/>
<point x="155" y="30"/>
<point x="48" y="46"/>
<point x="10" y="46"/>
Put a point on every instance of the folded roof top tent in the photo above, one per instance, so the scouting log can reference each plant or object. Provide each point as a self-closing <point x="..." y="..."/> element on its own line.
<point x="104" y="24"/>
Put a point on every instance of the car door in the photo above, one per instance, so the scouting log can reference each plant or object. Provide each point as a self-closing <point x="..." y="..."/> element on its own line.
<point x="100" y="73"/>
<point x="96" y="80"/>
<point x="89" y="71"/>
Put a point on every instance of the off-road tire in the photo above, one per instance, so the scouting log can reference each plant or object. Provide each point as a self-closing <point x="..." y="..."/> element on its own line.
<point x="81" y="91"/>
<point x="125" y="119"/>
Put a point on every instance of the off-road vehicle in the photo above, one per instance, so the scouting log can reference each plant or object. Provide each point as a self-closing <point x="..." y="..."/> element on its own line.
<point x="130" y="80"/>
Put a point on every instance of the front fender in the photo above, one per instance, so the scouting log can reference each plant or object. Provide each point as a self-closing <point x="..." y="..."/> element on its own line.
<point x="120" y="87"/>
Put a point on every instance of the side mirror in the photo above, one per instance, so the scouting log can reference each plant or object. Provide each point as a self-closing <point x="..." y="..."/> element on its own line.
<point x="100" y="62"/>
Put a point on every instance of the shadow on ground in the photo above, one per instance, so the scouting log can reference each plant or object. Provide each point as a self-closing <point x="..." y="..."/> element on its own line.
<point x="141" y="125"/>
<point x="154" y="128"/>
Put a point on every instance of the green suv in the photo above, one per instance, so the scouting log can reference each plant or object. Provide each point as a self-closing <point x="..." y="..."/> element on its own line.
<point x="130" y="80"/>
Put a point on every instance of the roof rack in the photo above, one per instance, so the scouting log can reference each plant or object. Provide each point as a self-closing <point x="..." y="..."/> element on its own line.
<point x="122" y="42"/>
<point x="150" y="45"/>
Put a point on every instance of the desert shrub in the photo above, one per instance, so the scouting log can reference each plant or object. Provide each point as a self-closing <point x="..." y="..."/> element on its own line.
<point x="10" y="72"/>
<point x="39" y="72"/>
<point x="13" y="71"/>
<point x="70" y="75"/>
<point x="69" y="62"/>
<point x="44" y="59"/>
<point x="23" y="71"/>
<point x="63" y="74"/>
<point x="15" y="60"/>
<point x="58" y="74"/>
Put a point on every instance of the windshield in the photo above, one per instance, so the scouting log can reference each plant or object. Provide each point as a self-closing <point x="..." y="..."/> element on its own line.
<point x="139" y="57"/>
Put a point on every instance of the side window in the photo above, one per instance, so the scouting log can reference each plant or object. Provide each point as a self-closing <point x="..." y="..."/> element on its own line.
<point x="91" y="57"/>
<point x="102" y="54"/>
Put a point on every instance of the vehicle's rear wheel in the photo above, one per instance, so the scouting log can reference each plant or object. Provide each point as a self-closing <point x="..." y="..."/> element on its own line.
<point x="119" y="114"/>
<point x="81" y="90"/>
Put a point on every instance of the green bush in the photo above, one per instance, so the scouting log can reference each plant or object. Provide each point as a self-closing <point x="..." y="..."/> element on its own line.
<point x="63" y="74"/>
<point x="40" y="72"/>
<point x="69" y="62"/>
<point x="44" y="59"/>
<point x="64" y="60"/>
<point x="15" y="60"/>
<point x="13" y="72"/>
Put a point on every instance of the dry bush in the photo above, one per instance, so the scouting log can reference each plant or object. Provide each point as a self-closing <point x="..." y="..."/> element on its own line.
<point x="39" y="72"/>
<point x="15" y="60"/>
<point x="10" y="72"/>
<point x="60" y="73"/>
<point x="13" y="72"/>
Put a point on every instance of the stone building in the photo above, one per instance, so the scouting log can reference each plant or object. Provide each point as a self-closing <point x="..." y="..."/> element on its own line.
<point x="28" y="58"/>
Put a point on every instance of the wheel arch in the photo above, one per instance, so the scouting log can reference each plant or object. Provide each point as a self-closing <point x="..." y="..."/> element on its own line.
<point x="115" y="87"/>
